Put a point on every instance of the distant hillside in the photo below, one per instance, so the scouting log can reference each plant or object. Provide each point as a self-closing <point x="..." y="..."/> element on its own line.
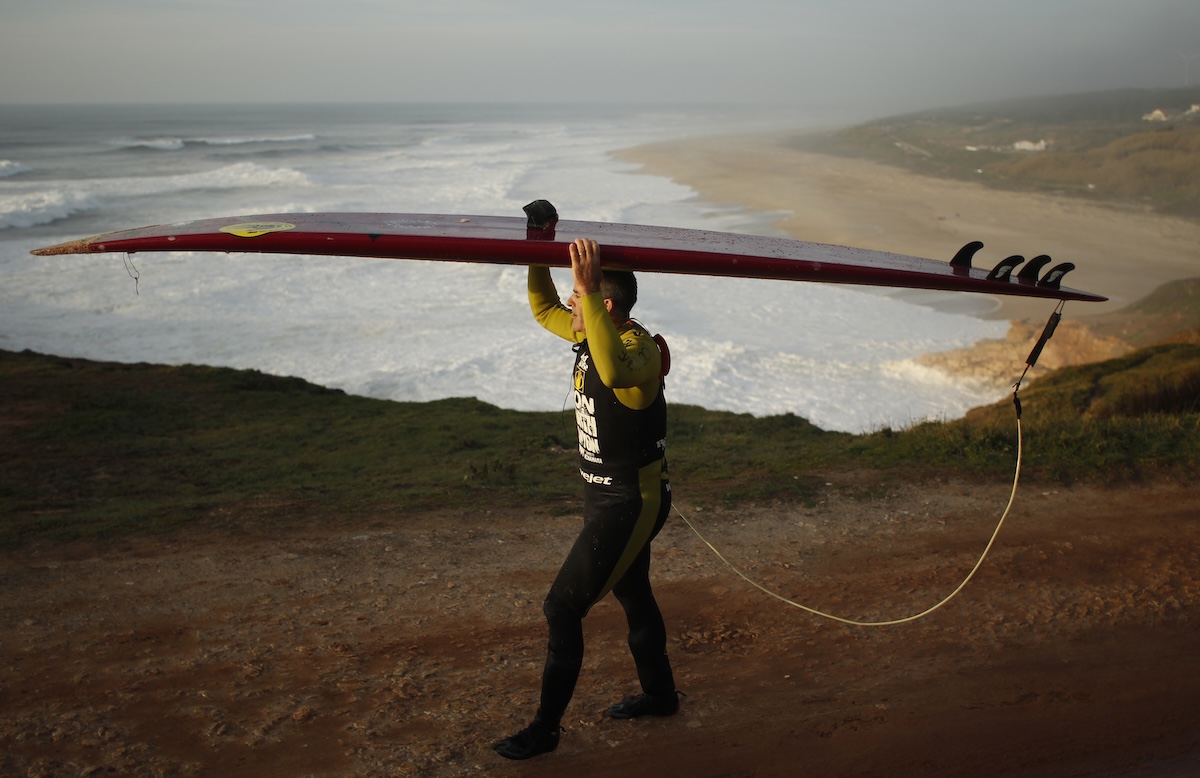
<point x="1099" y="146"/>
<point x="1170" y="313"/>
<point x="1116" y="107"/>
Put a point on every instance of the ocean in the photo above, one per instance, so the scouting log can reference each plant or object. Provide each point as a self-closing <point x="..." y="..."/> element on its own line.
<point x="842" y="357"/>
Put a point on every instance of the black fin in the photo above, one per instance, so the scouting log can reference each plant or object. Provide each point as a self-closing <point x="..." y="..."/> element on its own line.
<point x="1002" y="271"/>
<point x="1054" y="276"/>
<point x="966" y="253"/>
<point x="1030" y="271"/>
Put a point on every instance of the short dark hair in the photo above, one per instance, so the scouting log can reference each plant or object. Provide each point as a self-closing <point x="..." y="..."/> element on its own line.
<point x="620" y="286"/>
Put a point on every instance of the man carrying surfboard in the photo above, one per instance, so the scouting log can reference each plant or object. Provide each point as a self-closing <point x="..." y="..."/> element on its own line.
<point x="621" y="416"/>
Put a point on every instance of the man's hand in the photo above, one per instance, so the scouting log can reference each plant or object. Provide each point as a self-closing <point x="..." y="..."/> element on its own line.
<point x="585" y="266"/>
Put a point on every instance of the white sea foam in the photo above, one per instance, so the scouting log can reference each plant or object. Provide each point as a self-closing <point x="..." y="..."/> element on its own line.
<point x="33" y="207"/>
<point x="247" y="140"/>
<point x="173" y="143"/>
<point x="44" y="202"/>
<point x="10" y="168"/>
<point x="155" y="144"/>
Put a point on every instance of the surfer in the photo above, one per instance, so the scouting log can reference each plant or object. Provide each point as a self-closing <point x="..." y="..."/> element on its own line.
<point x="621" y="415"/>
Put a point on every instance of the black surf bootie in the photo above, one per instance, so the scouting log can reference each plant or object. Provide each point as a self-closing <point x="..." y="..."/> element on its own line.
<point x="538" y="738"/>
<point x="646" y="705"/>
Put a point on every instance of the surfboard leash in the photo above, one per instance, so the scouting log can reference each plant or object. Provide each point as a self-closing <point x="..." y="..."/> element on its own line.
<point x="133" y="272"/>
<point x="1047" y="333"/>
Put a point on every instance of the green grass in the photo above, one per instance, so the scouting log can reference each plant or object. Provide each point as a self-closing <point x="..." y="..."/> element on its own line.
<point x="101" y="450"/>
<point x="1126" y="418"/>
<point x="98" y="451"/>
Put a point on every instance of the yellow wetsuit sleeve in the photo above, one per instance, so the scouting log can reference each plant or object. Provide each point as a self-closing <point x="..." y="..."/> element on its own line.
<point x="547" y="308"/>
<point x="628" y="360"/>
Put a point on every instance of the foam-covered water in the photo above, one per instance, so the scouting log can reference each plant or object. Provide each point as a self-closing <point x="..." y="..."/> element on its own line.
<point x="839" y="356"/>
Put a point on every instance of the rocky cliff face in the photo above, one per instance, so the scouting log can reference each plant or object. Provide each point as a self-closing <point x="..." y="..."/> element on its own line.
<point x="1000" y="362"/>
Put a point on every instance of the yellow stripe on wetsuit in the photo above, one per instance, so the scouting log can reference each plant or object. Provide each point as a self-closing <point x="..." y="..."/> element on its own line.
<point x="650" y="484"/>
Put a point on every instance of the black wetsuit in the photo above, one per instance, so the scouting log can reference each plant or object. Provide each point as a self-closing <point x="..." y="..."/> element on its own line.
<point x="622" y="455"/>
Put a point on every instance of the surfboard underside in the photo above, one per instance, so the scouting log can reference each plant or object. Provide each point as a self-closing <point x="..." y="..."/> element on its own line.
<point x="513" y="241"/>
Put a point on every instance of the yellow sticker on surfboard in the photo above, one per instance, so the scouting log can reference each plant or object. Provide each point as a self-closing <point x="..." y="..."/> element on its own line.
<point x="255" y="229"/>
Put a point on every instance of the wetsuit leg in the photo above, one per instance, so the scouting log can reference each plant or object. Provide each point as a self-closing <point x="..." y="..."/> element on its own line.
<point x="647" y="633"/>
<point x="618" y="525"/>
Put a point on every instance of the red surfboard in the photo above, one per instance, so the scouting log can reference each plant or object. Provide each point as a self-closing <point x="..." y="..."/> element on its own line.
<point x="541" y="239"/>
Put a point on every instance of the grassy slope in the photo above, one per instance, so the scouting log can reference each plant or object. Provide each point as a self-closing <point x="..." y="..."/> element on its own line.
<point x="92" y="450"/>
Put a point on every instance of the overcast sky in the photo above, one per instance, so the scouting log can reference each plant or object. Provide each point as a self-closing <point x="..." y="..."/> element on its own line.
<point x="875" y="54"/>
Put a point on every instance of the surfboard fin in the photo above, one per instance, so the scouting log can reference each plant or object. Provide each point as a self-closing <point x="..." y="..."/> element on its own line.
<point x="540" y="215"/>
<point x="1054" y="276"/>
<point x="1002" y="271"/>
<point x="1029" y="273"/>
<point x="966" y="254"/>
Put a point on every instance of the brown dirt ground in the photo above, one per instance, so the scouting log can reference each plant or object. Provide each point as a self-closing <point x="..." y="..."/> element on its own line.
<point x="406" y="645"/>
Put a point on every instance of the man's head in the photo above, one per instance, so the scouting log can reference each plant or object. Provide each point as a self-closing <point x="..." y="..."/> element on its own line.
<point x="619" y="290"/>
<point x="621" y="287"/>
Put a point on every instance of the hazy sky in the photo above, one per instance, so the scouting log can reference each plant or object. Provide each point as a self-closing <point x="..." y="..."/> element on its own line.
<point x="874" y="54"/>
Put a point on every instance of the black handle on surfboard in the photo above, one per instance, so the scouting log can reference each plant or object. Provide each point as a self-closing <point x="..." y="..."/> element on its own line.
<point x="540" y="215"/>
<point x="540" y="218"/>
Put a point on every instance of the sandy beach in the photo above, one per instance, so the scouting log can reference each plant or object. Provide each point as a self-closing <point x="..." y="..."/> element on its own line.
<point x="1121" y="253"/>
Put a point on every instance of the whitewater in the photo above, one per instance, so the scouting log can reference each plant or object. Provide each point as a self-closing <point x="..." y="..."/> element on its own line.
<point x="842" y="357"/>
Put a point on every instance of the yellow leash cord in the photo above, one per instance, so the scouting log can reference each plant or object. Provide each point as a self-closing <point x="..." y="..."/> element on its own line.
<point x="854" y="622"/>
<point x="1047" y="332"/>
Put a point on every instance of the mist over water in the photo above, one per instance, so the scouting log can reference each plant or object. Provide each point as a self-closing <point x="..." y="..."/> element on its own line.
<point x="406" y="330"/>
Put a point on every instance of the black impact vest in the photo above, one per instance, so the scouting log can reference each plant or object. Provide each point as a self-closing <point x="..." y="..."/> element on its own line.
<point x="614" y="438"/>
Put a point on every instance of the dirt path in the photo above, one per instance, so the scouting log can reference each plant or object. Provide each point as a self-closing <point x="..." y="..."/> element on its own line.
<point x="406" y="645"/>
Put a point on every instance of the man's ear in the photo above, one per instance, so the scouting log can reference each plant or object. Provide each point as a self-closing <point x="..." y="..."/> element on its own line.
<point x="608" y="304"/>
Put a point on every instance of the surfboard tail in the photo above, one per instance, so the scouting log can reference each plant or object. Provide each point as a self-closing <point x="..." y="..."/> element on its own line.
<point x="81" y="246"/>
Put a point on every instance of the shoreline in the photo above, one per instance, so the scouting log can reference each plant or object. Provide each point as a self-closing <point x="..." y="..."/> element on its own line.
<point x="1122" y="254"/>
